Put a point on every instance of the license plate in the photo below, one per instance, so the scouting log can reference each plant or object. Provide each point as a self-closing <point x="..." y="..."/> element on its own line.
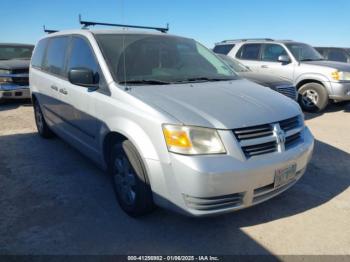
<point x="284" y="175"/>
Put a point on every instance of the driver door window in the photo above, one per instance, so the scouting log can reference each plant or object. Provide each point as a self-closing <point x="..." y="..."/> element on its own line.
<point x="271" y="52"/>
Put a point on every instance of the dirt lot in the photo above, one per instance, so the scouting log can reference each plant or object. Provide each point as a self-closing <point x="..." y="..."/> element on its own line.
<point x="54" y="201"/>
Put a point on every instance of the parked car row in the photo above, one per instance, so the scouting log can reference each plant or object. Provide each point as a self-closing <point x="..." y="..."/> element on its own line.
<point x="176" y="125"/>
<point x="317" y="80"/>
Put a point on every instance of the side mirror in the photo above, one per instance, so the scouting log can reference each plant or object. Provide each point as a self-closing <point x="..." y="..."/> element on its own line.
<point x="283" y="59"/>
<point x="83" y="77"/>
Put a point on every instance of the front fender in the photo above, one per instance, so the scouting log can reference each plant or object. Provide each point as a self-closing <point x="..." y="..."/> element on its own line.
<point x="149" y="146"/>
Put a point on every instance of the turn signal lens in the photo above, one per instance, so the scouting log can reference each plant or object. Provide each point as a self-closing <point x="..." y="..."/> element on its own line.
<point x="336" y="75"/>
<point x="177" y="138"/>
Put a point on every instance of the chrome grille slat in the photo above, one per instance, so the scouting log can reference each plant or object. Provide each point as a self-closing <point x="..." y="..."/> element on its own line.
<point x="259" y="149"/>
<point x="289" y="124"/>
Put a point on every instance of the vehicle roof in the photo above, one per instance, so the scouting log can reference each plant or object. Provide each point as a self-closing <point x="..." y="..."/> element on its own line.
<point x="332" y="47"/>
<point x="106" y="31"/>
<point x="15" y="44"/>
<point x="262" y="40"/>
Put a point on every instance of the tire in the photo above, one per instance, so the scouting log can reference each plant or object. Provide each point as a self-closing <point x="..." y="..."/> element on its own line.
<point x="130" y="180"/>
<point x="313" y="97"/>
<point x="41" y="125"/>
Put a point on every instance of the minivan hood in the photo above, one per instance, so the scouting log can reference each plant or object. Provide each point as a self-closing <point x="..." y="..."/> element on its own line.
<point x="14" y="64"/>
<point x="223" y="105"/>
<point x="336" y="65"/>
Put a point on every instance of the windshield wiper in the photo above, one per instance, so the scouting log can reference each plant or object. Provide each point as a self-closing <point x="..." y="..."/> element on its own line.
<point x="147" y="82"/>
<point x="204" y="79"/>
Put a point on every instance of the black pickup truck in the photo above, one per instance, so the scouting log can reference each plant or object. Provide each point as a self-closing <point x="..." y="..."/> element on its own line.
<point x="14" y="71"/>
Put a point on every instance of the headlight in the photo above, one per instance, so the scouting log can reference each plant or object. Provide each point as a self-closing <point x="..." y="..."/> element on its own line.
<point x="190" y="140"/>
<point x="3" y="76"/>
<point x="341" y="76"/>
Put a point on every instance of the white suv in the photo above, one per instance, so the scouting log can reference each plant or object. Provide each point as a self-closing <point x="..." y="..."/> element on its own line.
<point x="316" y="79"/>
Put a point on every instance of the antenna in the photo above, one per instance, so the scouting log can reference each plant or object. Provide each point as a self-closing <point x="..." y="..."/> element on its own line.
<point x="86" y="25"/>
<point x="49" y="31"/>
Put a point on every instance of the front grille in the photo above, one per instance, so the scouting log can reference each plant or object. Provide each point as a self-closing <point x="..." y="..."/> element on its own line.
<point x="21" y="81"/>
<point x="260" y="149"/>
<point x="20" y="71"/>
<point x="214" y="203"/>
<point x="289" y="123"/>
<point x="253" y="132"/>
<point x="288" y="91"/>
<point x="292" y="140"/>
<point x="265" y="139"/>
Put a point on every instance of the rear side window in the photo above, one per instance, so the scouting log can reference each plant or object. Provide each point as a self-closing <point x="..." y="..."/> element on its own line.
<point x="55" y="56"/>
<point x="249" y="52"/>
<point x="223" y="49"/>
<point x="337" y="55"/>
<point x="39" y="53"/>
<point x="272" y="52"/>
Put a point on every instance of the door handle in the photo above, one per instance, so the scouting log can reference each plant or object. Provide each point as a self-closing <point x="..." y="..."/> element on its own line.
<point x="63" y="91"/>
<point x="264" y="66"/>
<point x="53" y="87"/>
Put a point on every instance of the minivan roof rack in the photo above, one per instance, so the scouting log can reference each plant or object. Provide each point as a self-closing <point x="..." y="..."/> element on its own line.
<point x="86" y="24"/>
<point x="248" y="39"/>
<point x="49" y="31"/>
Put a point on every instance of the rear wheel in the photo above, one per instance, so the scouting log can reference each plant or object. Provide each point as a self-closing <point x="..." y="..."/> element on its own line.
<point x="313" y="97"/>
<point x="41" y="125"/>
<point x="130" y="181"/>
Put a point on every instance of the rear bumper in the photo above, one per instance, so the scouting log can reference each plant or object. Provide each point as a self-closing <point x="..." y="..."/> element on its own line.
<point x="14" y="92"/>
<point x="340" y="91"/>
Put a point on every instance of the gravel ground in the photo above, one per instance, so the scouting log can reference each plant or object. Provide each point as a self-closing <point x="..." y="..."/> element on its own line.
<point x="55" y="201"/>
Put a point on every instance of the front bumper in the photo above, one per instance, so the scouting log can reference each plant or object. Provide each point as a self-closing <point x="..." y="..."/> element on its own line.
<point x="203" y="185"/>
<point x="12" y="91"/>
<point x="340" y="91"/>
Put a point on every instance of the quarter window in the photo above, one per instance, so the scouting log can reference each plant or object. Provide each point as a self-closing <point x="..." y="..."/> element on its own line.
<point x="223" y="49"/>
<point x="39" y="53"/>
<point x="249" y="52"/>
<point x="272" y="52"/>
<point x="55" y="57"/>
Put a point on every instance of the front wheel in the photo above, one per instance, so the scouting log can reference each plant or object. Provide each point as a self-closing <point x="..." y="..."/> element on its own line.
<point x="313" y="97"/>
<point x="41" y="125"/>
<point x="130" y="181"/>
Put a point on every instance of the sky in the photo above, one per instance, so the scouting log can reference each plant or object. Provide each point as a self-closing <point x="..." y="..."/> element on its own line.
<point x="317" y="22"/>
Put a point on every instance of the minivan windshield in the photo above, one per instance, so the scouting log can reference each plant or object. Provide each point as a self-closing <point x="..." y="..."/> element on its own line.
<point x="304" y="52"/>
<point x="160" y="59"/>
<point x="8" y="52"/>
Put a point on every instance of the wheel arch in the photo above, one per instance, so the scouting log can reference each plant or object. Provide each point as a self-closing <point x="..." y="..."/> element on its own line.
<point x="145" y="145"/>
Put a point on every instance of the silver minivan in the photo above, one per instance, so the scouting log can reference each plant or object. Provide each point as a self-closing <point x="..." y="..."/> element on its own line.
<point x="172" y="124"/>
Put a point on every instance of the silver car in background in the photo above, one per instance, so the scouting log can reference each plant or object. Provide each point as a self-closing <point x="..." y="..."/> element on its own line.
<point x="172" y="124"/>
<point x="14" y="71"/>
<point x="316" y="79"/>
<point x="276" y="83"/>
